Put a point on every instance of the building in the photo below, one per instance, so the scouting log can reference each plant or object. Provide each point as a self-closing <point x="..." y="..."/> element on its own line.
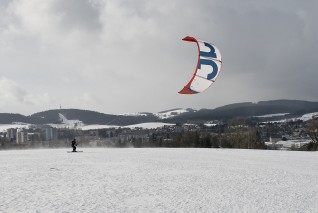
<point x="50" y="133"/>
<point x="11" y="134"/>
<point x="21" y="136"/>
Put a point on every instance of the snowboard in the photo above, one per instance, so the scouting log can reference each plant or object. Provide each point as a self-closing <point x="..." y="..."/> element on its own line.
<point x="73" y="152"/>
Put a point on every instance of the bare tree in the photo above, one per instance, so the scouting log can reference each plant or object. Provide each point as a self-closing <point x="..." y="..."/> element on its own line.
<point x="312" y="131"/>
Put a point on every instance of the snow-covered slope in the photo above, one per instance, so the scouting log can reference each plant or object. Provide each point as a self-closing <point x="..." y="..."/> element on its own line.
<point x="4" y="127"/>
<point x="151" y="125"/>
<point x="158" y="180"/>
<point x="308" y="116"/>
<point x="271" y="115"/>
<point x="161" y="115"/>
<point x="170" y="113"/>
<point x="134" y="114"/>
<point x="70" y="123"/>
<point x="97" y="126"/>
<point x="305" y="117"/>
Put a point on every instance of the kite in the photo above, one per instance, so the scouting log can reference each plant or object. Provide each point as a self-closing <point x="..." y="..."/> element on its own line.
<point x="208" y="67"/>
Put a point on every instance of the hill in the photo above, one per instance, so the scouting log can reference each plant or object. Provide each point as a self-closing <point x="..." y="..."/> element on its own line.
<point x="89" y="117"/>
<point x="286" y="108"/>
<point x="291" y="108"/>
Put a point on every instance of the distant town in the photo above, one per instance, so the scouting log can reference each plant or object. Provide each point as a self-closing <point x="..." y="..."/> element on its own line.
<point x="245" y="133"/>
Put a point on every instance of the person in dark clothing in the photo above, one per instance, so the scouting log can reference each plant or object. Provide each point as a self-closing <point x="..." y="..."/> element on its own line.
<point x="74" y="144"/>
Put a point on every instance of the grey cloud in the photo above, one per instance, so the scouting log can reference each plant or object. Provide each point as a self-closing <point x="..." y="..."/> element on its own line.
<point x="271" y="45"/>
<point x="77" y="14"/>
<point x="5" y="3"/>
<point x="10" y="91"/>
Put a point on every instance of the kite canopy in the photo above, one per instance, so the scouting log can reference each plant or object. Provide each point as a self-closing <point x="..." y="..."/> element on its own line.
<point x="208" y="67"/>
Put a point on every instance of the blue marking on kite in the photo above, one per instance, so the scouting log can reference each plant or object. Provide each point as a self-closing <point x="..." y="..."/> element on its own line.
<point x="212" y="64"/>
<point x="208" y="54"/>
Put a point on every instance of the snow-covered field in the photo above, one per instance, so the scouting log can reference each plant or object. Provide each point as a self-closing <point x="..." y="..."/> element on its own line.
<point x="4" y="127"/>
<point x="158" y="180"/>
<point x="149" y="125"/>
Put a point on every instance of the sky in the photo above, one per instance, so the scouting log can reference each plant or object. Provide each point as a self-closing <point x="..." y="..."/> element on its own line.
<point x="121" y="56"/>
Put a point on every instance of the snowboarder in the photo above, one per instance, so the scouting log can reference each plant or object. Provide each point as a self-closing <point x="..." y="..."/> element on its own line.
<point x="74" y="144"/>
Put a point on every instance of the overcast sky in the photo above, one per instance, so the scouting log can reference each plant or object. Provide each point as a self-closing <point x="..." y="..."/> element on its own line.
<point x="120" y="56"/>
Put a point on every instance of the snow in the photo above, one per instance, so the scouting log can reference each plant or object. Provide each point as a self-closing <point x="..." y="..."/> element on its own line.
<point x="308" y="116"/>
<point x="158" y="180"/>
<point x="70" y="123"/>
<point x="170" y="113"/>
<point x="290" y="143"/>
<point x="271" y="115"/>
<point x="305" y="117"/>
<point x="4" y="127"/>
<point x="212" y="123"/>
<point x="97" y="126"/>
<point x="150" y="125"/>
<point x="134" y="114"/>
<point x="160" y="115"/>
<point x="209" y="124"/>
